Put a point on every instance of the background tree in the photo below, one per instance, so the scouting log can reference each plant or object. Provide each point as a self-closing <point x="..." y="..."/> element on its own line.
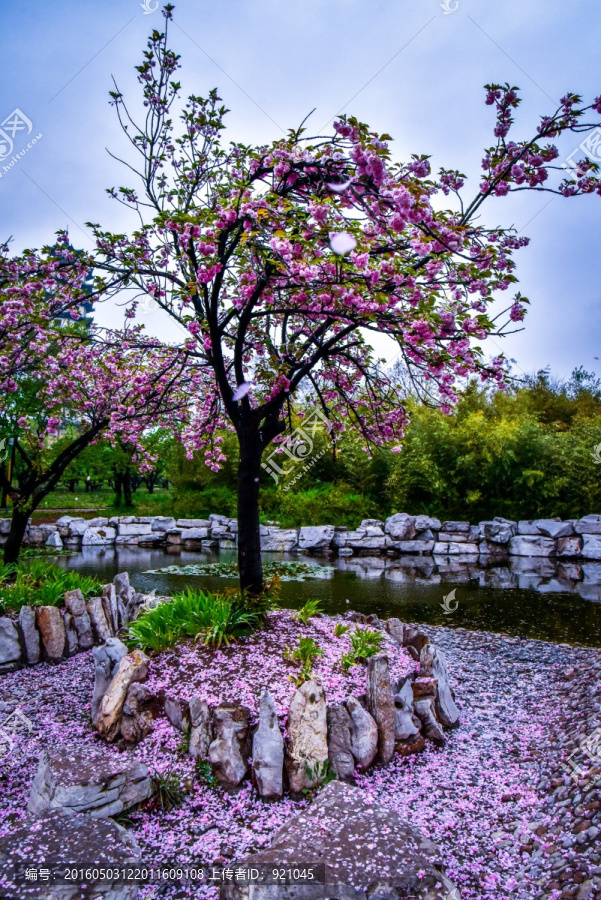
<point x="282" y="261"/>
<point x="62" y="380"/>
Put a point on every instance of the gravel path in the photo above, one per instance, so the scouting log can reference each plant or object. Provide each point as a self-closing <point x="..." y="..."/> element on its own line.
<point x="509" y="821"/>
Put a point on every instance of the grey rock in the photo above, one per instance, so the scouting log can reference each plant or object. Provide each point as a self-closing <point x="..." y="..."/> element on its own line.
<point x="82" y="840"/>
<point x="95" y="611"/>
<point x="591" y="546"/>
<point x="380" y="705"/>
<point x="316" y="537"/>
<point x="163" y="524"/>
<point x="132" y="668"/>
<point x="424" y="705"/>
<point x="124" y="592"/>
<point x="75" y="603"/>
<point x="139" y="712"/>
<point x="54" y="541"/>
<point x="134" y="529"/>
<point x="455" y="527"/>
<point x="10" y="647"/>
<point x="532" y="545"/>
<point x="588" y="525"/>
<point x="52" y="631"/>
<point x="178" y="713"/>
<point x="363" y="732"/>
<point x="406" y="726"/>
<point x="70" y="635"/>
<point x="553" y="529"/>
<point x="30" y="634"/>
<point x="83" y="627"/>
<point x="455" y="548"/>
<point x="308" y="737"/>
<point x="369" y="852"/>
<point x="98" y="537"/>
<point x="229" y="752"/>
<point x="201" y="731"/>
<point x="396" y="630"/>
<point x="340" y="755"/>
<point x="527" y="526"/>
<point x="499" y="531"/>
<point x="401" y="527"/>
<point x="433" y="664"/>
<point x="87" y="781"/>
<point x="279" y="540"/>
<point x="570" y="546"/>
<point x="425" y="523"/>
<point x="106" y="662"/>
<point x="193" y="523"/>
<point x="268" y="751"/>
<point x="110" y="606"/>
<point x="415" y="546"/>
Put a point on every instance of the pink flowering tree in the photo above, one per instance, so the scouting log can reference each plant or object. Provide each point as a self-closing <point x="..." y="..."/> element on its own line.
<point x="64" y="379"/>
<point x="283" y="261"/>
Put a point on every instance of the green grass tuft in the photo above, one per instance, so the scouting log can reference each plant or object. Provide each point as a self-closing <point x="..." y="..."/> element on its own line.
<point x="212" y="618"/>
<point x="36" y="582"/>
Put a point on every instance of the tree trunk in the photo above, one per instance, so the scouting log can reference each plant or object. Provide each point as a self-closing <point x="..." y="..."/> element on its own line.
<point x="118" y="480"/>
<point x="127" y="489"/>
<point x="14" y="540"/>
<point x="249" y="539"/>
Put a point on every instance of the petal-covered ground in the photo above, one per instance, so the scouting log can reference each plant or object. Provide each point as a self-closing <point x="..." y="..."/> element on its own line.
<point x="509" y="821"/>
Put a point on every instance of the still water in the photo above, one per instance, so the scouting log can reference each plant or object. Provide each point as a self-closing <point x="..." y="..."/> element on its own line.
<point x="529" y="597"/>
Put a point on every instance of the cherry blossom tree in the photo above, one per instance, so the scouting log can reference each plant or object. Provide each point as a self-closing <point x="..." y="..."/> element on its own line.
<point x="66" y="380"/>
<point x="284" y="261"/>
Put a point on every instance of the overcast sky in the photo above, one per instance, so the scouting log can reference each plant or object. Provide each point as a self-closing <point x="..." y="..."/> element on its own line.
<point x="407" y="67"/>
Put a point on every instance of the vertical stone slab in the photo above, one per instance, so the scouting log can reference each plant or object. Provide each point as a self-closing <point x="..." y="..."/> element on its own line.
<point x="380" y="705"/>
<point x="308" y="737"/>
<point x="268" y="751"/>
<point x="52" y="631"/>
<point x="30" y="635"/>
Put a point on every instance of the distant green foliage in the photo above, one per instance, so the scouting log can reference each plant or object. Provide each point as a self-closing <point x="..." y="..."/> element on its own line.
<point x="309" y="609"/>
<point x="36" y="582"/>
<point x="364" y="644"/>
<point x="306" y="653"/>
<point x="213" y="618"/>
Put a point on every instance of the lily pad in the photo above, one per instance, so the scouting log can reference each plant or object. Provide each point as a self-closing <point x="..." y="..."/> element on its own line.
<point x="285" y="571"/>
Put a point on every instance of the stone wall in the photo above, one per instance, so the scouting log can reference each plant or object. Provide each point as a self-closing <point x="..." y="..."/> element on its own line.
<point x="50" y="633"/>
<point x="399" y="535"/>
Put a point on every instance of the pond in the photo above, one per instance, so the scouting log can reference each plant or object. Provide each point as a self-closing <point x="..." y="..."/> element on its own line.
<point x="533" y="598"/>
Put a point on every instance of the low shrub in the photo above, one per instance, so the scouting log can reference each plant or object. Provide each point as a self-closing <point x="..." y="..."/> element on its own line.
<point x="216" y="619"/>
<point x="306" y="653"/>
<point x="36" y="582"/>
<point x="310" y="608"/>
<point x="364" y="644"/>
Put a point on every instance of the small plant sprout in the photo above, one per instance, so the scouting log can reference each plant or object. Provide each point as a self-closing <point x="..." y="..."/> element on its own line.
<point x="311" y="608"/>
<point x="306" y="653"/>
<point x="341" y="629"/>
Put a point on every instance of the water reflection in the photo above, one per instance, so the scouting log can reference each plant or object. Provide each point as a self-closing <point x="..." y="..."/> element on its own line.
<point x="533" y="597"/>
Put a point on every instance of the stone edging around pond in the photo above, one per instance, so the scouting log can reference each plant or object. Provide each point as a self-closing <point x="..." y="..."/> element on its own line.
<point x="51" y="633"/>
<point x="398" y="535"/>
<point x="320" y="738"/>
